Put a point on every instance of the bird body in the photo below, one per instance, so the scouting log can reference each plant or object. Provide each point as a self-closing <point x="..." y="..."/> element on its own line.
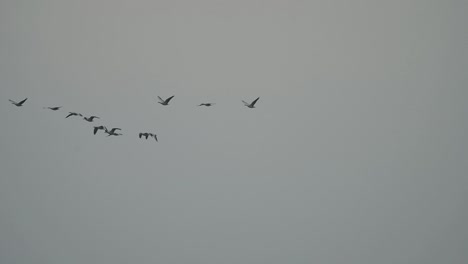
<point x="96" y="128"/>
<point x="206" y="104"/>
<point x="143" y="134"/>
<point x="55" y="108"/>
<point x="18" y="103"/>
<point x="165" y="102"/>
<point x="112" y="131"/>
<point x="251" y="105"/>
<point x="73" y="114"/>
<point x="146" y="135"/>
<point x="90" y="119"/>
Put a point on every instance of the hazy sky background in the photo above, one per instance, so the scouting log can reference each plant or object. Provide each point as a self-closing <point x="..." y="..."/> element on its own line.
<point x="356" y="153"/>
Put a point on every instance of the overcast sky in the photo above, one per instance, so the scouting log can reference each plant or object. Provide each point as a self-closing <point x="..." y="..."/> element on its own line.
<point x="356" y="153"/>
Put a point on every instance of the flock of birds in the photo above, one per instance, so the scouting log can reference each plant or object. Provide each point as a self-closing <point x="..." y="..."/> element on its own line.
<point x="113" y="131"/>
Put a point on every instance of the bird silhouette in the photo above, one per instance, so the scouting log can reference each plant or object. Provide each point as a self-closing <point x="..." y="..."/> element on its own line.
<point x="96" y="128"/>
<point x="54" y="108"/>
<point x="73" y="114"/>
<point x="206" y="104"/>
<point x="251" y="105"/>
<point x="143" y="135"/>
<point x="19" y="103"/>
<point x="146" y="135"/>
<point x="165" y="102"/>
<point x="112" y="131"/>
<point x="90" y="119"/>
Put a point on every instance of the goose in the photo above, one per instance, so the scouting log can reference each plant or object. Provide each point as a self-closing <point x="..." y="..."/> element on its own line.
<point x="144" y="134"/>
<point x="251" y="105"/>
<point x="55" y="108"/>
<point x="206" y="104"/>
<point x="165" y="102"/>
<point x="73" y="114"/>
<point x="90" y="119"/>
<point x="112" y="131"/>
<point x="96" y="128"/>
<point x="19" y="103"/>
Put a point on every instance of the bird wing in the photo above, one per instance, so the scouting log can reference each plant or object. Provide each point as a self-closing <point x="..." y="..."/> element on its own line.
<point x="155" y="137"/>
<point x="169" y="99"/>
<point x="95" y="130"/>
<point x="253" y="103"/>
<point x="160" y="99"/>
<point x="13" y="102"/>
<point x="245" y="102"/>
<point x="139" y="135"/>
<point x="70" y="114"/>
<point x="114" y="129"/>
<point x="20" y="103"/>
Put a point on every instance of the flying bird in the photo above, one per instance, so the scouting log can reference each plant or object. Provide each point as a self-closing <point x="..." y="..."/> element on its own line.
<point x="206" y="104"/>
<point x="55" y="108"/>
<point x="90" y="119"/>
<point x="146" y="135"/>
<point x="73" y="114"/>
<point x="19" y="103"/>
<point x="96" y="128"/>
<point x="112" y="131"/>
<point x="115" y="134"/>
<point x="251" y="105"/>
<point x="165" y="102"/>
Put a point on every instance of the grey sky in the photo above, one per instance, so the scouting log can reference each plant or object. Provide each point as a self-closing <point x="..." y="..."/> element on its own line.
<point x="356" y="152"/>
